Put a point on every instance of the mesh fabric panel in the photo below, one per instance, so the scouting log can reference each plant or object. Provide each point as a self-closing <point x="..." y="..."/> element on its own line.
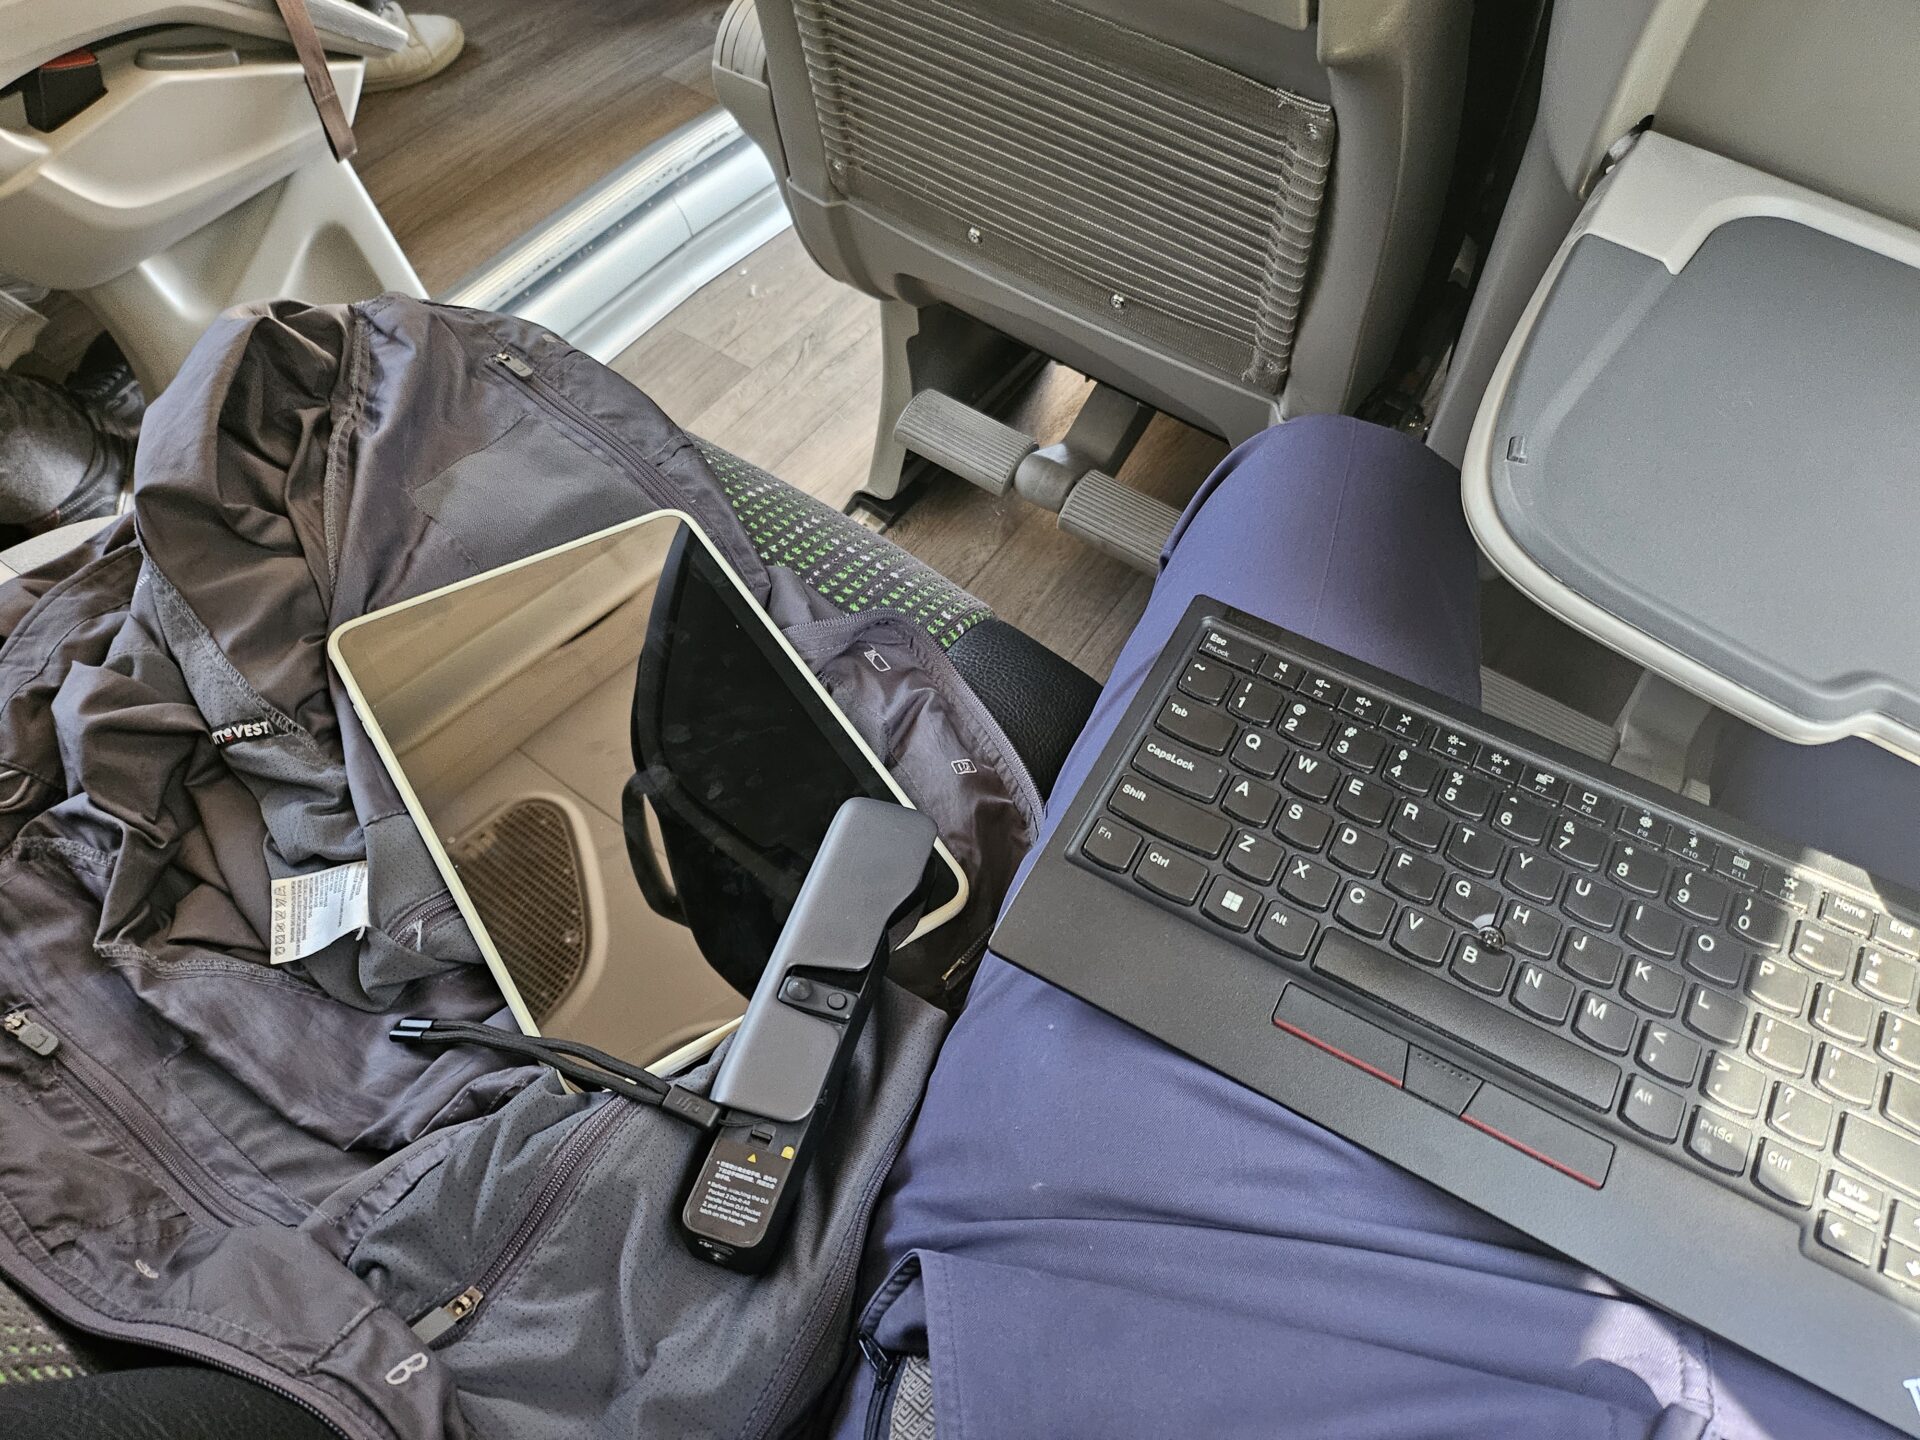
<point x="31" y="1348"/>
<point x="850" y="565"/>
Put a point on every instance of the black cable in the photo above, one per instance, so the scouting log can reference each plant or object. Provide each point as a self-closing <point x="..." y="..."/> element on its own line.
<point x="582" y="1064"/>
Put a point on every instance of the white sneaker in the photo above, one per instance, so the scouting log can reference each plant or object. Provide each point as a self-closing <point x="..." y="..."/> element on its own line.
<point x="433" y="43"/>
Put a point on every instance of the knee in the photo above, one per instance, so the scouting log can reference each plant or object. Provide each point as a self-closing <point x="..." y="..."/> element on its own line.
<point x="1318" y="463"/>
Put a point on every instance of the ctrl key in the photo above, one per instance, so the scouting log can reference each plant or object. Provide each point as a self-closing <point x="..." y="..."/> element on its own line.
<point x="1169" y="873"/>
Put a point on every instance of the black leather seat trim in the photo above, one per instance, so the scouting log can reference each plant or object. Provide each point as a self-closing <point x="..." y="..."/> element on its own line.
<point x="1040" y="700"/>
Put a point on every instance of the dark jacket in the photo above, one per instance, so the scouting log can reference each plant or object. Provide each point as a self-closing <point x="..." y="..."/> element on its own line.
<point x="229" y="1159"/>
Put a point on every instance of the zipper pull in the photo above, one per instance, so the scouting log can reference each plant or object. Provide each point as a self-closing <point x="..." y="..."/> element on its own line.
<point x="438" y="1321"/>
<point x="29" y="1032"/>
<point x="514" y="364"/>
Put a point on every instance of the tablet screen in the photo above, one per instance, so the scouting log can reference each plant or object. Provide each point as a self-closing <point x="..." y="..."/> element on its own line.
<point x="627" y="770"/>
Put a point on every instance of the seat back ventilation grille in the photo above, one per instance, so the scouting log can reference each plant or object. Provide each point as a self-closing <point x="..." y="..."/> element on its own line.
<point x="1150" y="190"/>
<point x="522" y="867"/>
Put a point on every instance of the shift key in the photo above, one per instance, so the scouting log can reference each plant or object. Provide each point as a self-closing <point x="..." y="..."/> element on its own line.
<point x="1179" y="767"/>
<point x="1169" y="817"/>
<point x="1880" y="1152"/>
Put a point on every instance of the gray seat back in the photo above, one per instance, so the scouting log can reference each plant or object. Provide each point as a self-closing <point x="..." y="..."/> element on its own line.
<point x="1222" y="207"/>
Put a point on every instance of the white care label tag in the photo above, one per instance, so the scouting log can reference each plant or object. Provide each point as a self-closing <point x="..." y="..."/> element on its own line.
<point x="312" y="911"/>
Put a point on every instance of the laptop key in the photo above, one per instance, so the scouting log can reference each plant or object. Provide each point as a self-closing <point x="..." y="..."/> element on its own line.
<point x="1841" y="1013"/>
<point x="1530" y="929"/>
<point x="1255" y="703"/>
<point x="1368" y="801"/>
<point x="1168" y="816"/>
<point x="1558" y="1063"/>
<point x="1593" y="904"/>
<point x="1638" y="868"/>
<point x="1595" y="961"/>
<point x="1654" y="1111"/>
<point x="1887" y="976"/>
<point x="1542" y="994"/>
<point x="1605" y="1024"/>
<point x="1717" y="1141"/>
<point x="1309" y="882"/>
<point x="1208" y="681"/>
<point x="1180" y="768"/>
<point x="1415" y="876"/>
<point x="1286" y="931"/>
<point x="1236" y="652"/>
<point x="1366" y="909"/>
<point x="1579" y="844"/>
<point x="1475" y="848"/>
<point x="1259" y="752"/>
<point x="1474" y="905"/>
<point x="1882" y="1153"/>
<point x="1669" y="1054"/>
<point x="1786" y="1174"/>
<point x="1653" y="930"/>
<point x="1420" y="823"/>
<point x="1845" y="1236"/>
<point x="1303" y="827"/>
<point x="1780" y="987"/>
<point x="1312" y="777"/>
<point x="1653" y="987"/>
<point x="1533" y="877"/>
<point x="1781" y="1045"/>
<point x="1200" y="726"/>
<point x="1306" y="724"/>
<point x="1250" y="801"/>
<point x="1254" y="856"/>
<point x="1524" y="819"/>
<point x="1713" y="957"/>
<point x="1169" y="873"/>
<point x="1357" y="851"/>
<point x="1715" y="1016"/>
<point x="1734" y="1085"/>
<point x="1697" y="894"/>
<point x="1846" y="1076"/>
<point x="1902" y="1103"/>
<point x="1801" y="1115"/>
<point x="1231" y="903"/>
<point x="1760" y="921"/>
<point x="1421" y="937"/>
<point x="1111" y="845"/>
<point x="1483" y="969"/>
<point x="1901" y="1263"/>
<point x="1823" y="948"/>
<point x="1902" y="935"/>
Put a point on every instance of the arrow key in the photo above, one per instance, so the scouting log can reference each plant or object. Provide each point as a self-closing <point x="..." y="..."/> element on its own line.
<point x="1902" y="1263"/>
<point x="1848" y="1237"/>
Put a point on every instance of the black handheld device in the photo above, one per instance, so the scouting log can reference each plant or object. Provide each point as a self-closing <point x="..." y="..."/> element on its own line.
<point x="783" y="1071"/>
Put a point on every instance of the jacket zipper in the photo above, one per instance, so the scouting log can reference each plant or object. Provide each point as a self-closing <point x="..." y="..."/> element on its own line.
<point x="561" y="1179"/>
<point x="134" y="1121"/>
<point x="886" y="1383"/>
<point x="422" y="913"/>
<point x="659" y="489"/>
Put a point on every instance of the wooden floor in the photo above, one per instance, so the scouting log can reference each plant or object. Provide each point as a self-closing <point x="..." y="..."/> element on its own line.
<point x="781" y="365"/>
<point x="548" y="97"/>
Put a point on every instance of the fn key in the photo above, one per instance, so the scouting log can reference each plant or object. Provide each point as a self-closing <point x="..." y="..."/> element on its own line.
<point x="1111" y="845"/>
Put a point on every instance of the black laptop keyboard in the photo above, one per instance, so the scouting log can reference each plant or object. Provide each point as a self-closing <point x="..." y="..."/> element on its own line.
<point x="1677" y="989"/>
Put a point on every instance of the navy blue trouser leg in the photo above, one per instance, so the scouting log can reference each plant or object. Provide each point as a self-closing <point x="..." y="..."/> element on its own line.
<point x="1093" y="1236"/>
